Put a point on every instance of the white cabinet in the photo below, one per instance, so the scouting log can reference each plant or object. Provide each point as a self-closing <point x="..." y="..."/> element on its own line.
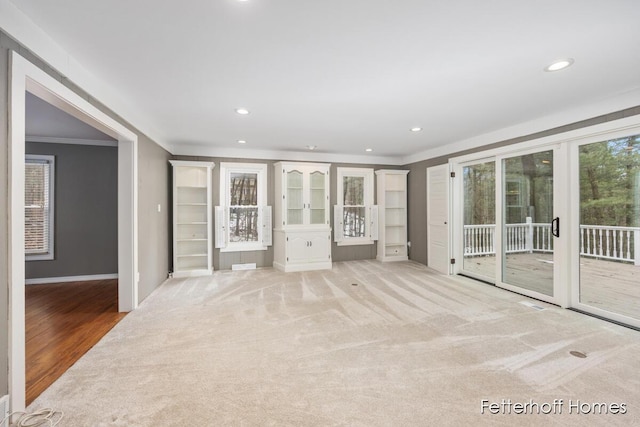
<point x="392" y="215"/>
<point x="302" y="234"/>
<point x="192" y="228"/>
<point x="306" y="247"/>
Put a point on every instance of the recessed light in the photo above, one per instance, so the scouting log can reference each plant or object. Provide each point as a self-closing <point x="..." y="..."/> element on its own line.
<point x="559" y="65"/>
<point x="312" y="147"/>
<point x="368" y="150"/>
<point x="416" y="129"/>
<point x="242" y="111"/>
<point x="242" y="141"/>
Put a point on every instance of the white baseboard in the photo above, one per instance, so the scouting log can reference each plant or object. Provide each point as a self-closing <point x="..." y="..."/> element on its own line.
<point x="64" y="279"/>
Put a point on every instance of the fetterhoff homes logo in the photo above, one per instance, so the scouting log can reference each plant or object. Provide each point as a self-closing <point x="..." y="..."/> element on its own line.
<point x="576" y="407"/>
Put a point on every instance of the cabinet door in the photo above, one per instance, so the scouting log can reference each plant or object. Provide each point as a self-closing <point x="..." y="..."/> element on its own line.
<point x="297" y="247"/>
<point x="318" y="200"/>
<point x="319" y="246"/>
<point x="294" y="202"/>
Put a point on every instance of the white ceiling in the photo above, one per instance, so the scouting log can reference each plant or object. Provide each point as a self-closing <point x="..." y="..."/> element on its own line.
<point x="346" y="75"/>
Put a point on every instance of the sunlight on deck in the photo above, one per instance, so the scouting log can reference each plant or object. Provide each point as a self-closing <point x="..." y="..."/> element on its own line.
<point x="607" y="285"/>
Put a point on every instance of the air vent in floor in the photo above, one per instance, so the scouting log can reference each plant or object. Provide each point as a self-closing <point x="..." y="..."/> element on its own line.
<point x="532" y="305"/>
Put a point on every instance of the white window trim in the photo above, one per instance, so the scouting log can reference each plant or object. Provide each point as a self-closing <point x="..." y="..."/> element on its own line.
<point x="50" y="254"/>
<point x="367" y="174"/>
<point x="226" y="169"/>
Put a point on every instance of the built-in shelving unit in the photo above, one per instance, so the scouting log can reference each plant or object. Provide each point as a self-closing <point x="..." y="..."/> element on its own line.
<point x="392" y="215"/>
<point x="192" y="218"/>
<point x="302" y="233"/>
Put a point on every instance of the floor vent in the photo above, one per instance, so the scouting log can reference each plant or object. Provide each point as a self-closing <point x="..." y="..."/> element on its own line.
<point x="532" y="305"/>
<point x="248" y="266"/>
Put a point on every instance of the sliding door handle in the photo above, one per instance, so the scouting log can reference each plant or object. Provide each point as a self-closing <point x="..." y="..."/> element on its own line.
<point x="555" y="227"/>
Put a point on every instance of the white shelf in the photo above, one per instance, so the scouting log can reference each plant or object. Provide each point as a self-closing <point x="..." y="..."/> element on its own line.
<point x="192" y="218"/>
<point x="392" y="215"/>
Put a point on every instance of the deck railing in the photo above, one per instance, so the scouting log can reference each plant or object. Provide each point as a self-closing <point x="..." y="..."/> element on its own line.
<point x="598" y="241"/>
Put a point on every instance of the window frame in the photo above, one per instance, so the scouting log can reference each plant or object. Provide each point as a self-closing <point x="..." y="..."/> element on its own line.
<point x="50" y="252"/>
<point x="226" y="169"/>
<point x="368" y="198"/>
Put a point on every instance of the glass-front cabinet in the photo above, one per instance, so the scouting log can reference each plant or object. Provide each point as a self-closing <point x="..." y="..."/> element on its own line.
<point x="294" y="197"/>
<point x="318" y="199"/>
<point x="302" y="233"/>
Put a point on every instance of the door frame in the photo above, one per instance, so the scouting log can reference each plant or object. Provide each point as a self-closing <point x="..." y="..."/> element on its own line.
<point x="25" y="76"/>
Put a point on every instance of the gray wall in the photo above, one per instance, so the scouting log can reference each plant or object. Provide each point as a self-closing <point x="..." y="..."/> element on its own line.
<point x="153" y="231"/>
<point x="86" y="211"/>
<point x="223" y="261"/>
<point x="153" y="226"/>
<point x="418" y="178"/>
<point x="4" y="223"/>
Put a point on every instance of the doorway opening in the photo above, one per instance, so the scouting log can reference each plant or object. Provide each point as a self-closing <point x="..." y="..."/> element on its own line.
<point x="26" y="77"/>
<point x="71" y="241"/>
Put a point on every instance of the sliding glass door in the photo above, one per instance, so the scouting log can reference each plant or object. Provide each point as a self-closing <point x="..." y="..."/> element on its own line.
<point x="608" y="232"/>
<point x="508" y="222"/>
<point x="528" y="223"/>
<point x="559" y="222"/>
<point x="479" y="220"/>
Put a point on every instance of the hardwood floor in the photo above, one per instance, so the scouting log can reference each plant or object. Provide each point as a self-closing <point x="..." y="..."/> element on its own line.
<point x="63" y="321"/>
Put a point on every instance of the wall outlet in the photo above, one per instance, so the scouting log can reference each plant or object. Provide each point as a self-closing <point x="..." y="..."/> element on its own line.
<point x="4" y="410"/>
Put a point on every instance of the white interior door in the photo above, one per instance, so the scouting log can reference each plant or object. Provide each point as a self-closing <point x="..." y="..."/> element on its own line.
<point x="438" y="218"/>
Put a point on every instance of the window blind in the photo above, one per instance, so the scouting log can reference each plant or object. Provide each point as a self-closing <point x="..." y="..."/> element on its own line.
<point x="37" y="205"/>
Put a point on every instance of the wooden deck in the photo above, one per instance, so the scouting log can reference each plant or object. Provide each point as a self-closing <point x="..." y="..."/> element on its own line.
<point x="608" y="285"/>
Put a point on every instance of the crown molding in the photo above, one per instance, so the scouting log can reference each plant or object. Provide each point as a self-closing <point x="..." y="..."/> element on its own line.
<point x="306" y="156"/>
<point x="71" y="141"/>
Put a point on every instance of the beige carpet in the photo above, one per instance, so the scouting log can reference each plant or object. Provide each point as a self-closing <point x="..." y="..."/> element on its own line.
<point x="404" y="347"/>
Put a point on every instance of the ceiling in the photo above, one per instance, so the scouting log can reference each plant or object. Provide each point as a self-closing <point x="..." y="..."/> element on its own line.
<point x="45" y="122"/>
<point x="346" y="75"/>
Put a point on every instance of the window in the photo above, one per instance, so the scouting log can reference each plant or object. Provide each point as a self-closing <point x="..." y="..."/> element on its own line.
<point x="243" y="221"/>
<point x="355" y="212"/>
<point x="38" y="207"/>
